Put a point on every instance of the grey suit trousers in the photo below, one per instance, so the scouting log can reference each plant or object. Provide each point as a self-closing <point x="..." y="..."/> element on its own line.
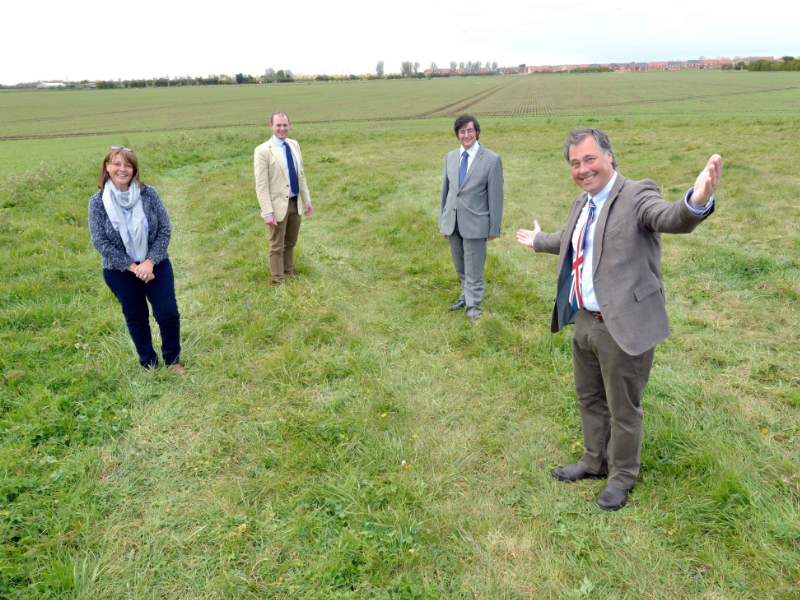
<point x="469" y="258"/>
<point x="609" y="384"/>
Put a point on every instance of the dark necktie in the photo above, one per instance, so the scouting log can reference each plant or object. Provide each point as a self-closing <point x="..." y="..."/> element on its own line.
<point x="295" y="187"/>
<point x="462" y="171"/>
<point x="577" y="265"/>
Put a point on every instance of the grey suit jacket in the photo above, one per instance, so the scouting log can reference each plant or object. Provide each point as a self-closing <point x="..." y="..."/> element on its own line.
<point x="478" y="203"/>
<point x="626" y="261"/>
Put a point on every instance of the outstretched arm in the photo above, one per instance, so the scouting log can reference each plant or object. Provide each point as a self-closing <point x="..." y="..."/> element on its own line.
<point x="526" y="236"/>
<point x="549" y="243"/>
<point x="684" y="216"/>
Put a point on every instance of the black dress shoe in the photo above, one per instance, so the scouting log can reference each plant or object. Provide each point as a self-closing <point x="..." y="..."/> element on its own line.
<point x="612" y="498"/>
<point x="457" y="306"/>
<point x="570" y="473"/>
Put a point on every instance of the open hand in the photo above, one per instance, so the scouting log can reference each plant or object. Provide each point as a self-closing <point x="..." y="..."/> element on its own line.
<point x="707" y="181"/>
<point x="525" y="236"/>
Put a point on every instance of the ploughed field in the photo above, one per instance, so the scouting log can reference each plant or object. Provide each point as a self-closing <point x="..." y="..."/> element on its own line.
<point x="53" y="113"/>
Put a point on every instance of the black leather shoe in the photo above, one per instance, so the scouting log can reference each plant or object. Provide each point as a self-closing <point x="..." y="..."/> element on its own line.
<point x="612" y="498"/>
<point x="457" y="306"/>
<point x="570" y="473"/>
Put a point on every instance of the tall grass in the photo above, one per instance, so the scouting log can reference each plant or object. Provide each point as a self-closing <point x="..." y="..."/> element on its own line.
<point x="344" y="436"/>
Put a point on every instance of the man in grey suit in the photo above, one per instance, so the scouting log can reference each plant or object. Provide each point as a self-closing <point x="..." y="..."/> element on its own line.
<point x="471" y="210"/>
<point x="610" y="287"/>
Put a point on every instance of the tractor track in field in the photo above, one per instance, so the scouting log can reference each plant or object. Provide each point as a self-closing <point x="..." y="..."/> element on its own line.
<point x="439" y="112"/>
<point x="430" y="114"/>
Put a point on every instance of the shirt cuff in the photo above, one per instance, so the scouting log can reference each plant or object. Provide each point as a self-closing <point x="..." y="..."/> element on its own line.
<point x="309" y="202"/>
<point x="267" y="215"/>
<point x="698" y="210"/>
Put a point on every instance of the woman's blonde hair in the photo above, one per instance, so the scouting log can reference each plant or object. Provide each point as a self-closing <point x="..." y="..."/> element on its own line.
<point x="127" y="155"/>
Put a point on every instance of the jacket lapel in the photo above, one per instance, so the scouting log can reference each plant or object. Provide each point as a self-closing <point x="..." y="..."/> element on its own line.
<point x="277" y="154"/>
<point x="600" y="228"/>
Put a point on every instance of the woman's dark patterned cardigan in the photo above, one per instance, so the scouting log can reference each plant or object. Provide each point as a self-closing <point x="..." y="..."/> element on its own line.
<point x="108" y="242"/>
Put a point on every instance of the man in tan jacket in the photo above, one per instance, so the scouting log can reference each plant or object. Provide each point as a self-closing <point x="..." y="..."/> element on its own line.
<point x="280" y="183"/>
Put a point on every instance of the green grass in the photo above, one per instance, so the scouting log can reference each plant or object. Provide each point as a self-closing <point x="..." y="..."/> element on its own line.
<point x="346" y="437"/>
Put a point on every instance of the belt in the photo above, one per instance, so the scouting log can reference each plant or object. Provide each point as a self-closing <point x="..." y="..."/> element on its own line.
<point x="596" y="315"/>
<point x="292" y="198"/>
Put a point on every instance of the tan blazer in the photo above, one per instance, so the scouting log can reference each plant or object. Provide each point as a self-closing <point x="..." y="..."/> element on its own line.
<point x="272" y="183"/>
<point x="626" y="261"/>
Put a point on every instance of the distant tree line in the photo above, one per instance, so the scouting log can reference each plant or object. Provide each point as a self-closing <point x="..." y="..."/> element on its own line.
<point x="342" y="77"/>
<point x="270" y="76"/>
<point x="786" y="63"/>
<point x="580" y="70"/>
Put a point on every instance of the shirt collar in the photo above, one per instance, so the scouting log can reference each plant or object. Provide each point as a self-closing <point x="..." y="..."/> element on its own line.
<point x="601" y="197"/>
<point x="278" y="142"/>
<point x="472" y="151"/>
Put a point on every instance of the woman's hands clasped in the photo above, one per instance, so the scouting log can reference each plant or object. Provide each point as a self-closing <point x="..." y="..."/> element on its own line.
<point x="144" y="270"/>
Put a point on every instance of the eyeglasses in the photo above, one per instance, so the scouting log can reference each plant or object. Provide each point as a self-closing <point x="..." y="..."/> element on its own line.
<point x="120" y="148"/>
<point x="466" y="131"/>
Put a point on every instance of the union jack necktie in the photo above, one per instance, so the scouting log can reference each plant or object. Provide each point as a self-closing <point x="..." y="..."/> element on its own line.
<point x="577" y="264"/>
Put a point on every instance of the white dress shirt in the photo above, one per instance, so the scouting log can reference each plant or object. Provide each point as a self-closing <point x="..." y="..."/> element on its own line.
<point x="587" y="283"/>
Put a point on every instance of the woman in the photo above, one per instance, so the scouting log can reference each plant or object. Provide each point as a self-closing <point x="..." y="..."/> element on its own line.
<point x="130" y="229"/>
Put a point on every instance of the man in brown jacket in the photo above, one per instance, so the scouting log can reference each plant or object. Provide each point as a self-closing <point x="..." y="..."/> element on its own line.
<point x="610" y="287"/>
<point x="282" y="194"/>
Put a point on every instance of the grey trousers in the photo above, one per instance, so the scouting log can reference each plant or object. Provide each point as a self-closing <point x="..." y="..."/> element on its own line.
<point x="609" y="384"/>
<point x="469" y="258"/>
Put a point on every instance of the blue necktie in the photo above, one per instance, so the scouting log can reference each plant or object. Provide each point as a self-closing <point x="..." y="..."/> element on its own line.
<point x="462" y="171"/>
<point x="295" y="187"/>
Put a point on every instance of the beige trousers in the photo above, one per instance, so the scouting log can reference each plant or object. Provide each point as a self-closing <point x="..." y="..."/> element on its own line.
<point x="282" y="240"/>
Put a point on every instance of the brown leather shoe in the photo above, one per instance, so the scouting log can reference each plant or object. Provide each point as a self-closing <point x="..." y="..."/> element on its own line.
<point x="572" y="473"/>
<point x="612" y="498"/>
<point x="178" y="369"/>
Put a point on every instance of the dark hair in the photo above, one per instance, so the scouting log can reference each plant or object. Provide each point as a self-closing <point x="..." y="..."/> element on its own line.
<point x="128" y="156"/>
<point x="278" y="113"/>
<point x="464" y="120"/>
<point x="576" y="136"/>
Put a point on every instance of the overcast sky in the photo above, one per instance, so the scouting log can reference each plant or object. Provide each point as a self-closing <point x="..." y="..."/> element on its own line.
<point x="87" y="39"/>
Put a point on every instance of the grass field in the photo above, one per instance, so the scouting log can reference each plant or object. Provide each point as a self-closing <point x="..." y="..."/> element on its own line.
<point x="54" y="113"/>
<point x="346" y="437"/>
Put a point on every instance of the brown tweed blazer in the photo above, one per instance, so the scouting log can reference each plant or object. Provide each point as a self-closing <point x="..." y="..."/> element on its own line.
<point x="626" y="261"/>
